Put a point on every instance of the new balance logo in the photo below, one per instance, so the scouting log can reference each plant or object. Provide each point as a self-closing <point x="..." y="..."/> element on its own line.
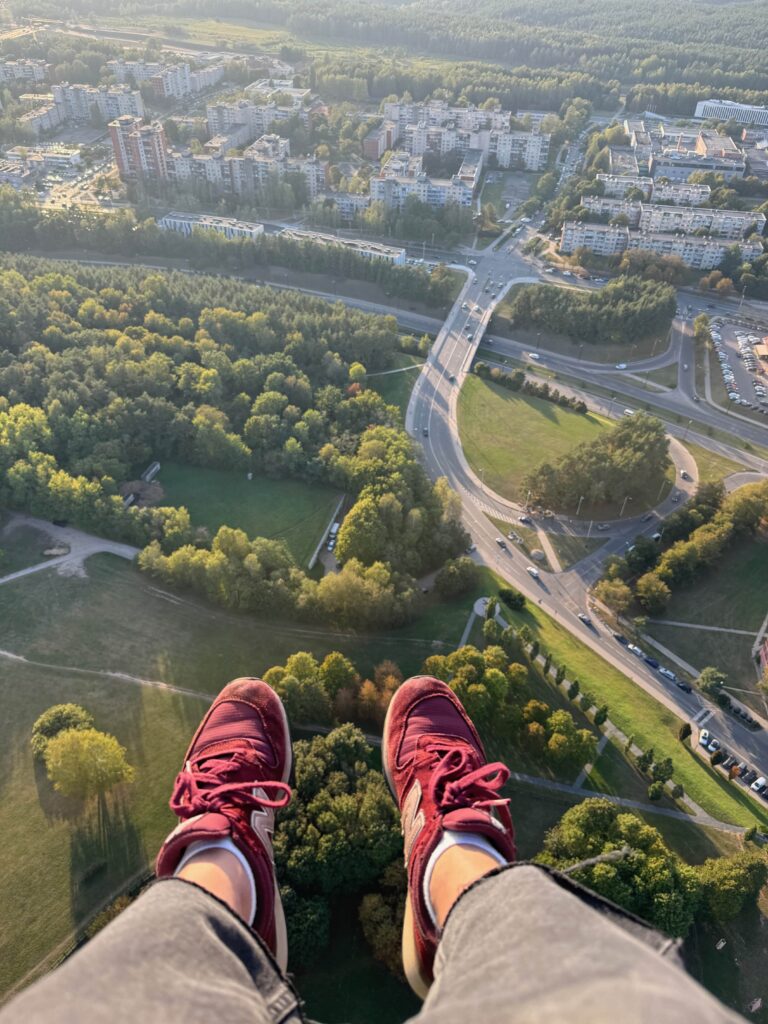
<point x="413" y="819"/>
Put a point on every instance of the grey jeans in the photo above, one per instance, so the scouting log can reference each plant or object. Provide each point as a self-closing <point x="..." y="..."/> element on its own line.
<point x="522" y="945"/>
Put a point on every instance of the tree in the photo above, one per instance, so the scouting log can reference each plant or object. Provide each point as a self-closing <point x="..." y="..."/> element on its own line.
<point x="656" y="791"/>
<point x="711" y="680"/>
<point x="644" y="761"/>
<point x="648" y="879"/>
<point x="337" y="673"/>
<point x="55" y="720"/>
<point x="601" y="714"/>
<point x="381" y="917"/>
<point x="663" y="770"/>
<point x="573" y="690"/>
<point x="652" y="593"/>
<point x="308" y="919"/>
<point x="730" y="883"/>
<point x="512" y="598"/>
<point x="85" y="762"/>
<point x="615" y="594"/>
<point x="457" y="576"/>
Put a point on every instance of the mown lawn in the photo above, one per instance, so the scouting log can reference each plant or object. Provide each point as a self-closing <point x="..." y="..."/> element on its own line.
<point x="506" y="435"/>
<point x="396" y="388"/>
<point x="291" y="510"/>
<point x="639" y="715"/>
<point x="21" y="548"/>
<point x="712" y="467"/>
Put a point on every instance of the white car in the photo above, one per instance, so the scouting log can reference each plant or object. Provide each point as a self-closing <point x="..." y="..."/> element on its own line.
<point x="714" y="746"/>
<point x="621" y="366"/>
<point x="759" y="784"/>
<point x="534" y="355"/>
<point x="704" y="738"/>
<point x="668" y="674"/>
<point x="638" y="653"/>
<point x="532" y="571"/>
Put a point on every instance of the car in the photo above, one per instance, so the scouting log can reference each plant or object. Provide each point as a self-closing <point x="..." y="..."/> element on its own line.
<point x="620" y="638"/>
<point x="550" y="270"/>
<point x="714" y="746"/>
<point x="650" y="661"/>
<point x="472" y="263"/>
<point x="742" y="768"/>
<point x="585" y="619"/>
<point x="465" y="305"/>
<point x="524" y="519"/>
<point x="470" y="336"/>
<point x="638" y="653"/>
<point x="502" y="543"/>
<point x="685" y="687"/>
<point x="685" y="475"/>
<point x="647" y="517"/>
<point x="425" y="431"/>
<point x="602" y="526"/>
<point x="532" y="571"/>
<point x="750" y="777"/>
<point x="452" y="378"/>
<point x="471" y="548"/>
<point x="621" y="366"/>
<point x="60" y="522"/>
<point x="704" y="738"/>
<point x="759" y="784"/>
<point x="729" y="762"/>
<point x="667" y="673"/>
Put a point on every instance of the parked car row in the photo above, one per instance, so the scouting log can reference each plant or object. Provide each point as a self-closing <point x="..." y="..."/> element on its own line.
<point x="734" y="768"/>
<point x="653" y="663"/>
<point x="745" y="342"/>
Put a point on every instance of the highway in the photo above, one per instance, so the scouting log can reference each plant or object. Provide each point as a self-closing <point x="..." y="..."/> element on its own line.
<point x="431" y="419"/>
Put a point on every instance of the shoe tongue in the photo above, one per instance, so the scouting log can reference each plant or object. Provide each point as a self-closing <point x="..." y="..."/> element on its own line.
<point x="228" y="730"/>
<point x="433" y="719"/>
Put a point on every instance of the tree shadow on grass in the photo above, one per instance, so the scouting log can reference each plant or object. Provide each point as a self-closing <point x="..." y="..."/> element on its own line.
<point x="106" y="849"/>
<point x="55" y="806"/>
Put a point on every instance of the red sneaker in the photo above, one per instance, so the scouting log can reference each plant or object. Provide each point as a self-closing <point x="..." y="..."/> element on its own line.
<point x="234" y="778"/>
<point x="438" y="773"/>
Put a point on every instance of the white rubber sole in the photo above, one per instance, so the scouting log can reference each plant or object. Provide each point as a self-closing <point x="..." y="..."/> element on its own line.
<point x="281" y="931"/>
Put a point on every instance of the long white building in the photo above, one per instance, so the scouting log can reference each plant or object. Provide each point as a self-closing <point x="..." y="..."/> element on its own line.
<point x="187" y="223"/>
<point x="727" y="110"/>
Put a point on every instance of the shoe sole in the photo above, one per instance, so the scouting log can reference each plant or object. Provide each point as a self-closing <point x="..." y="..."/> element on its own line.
<point x="411" y="962"/>
<point x="281" y="930"/>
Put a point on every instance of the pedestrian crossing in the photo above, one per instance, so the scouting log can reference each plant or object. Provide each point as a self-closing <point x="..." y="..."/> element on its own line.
<point x="703" y="716"/>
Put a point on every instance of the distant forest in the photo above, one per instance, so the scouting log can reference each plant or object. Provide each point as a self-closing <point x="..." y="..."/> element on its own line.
<point x="718" y="46"/>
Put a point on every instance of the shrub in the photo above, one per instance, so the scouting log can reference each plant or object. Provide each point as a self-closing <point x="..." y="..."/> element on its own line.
<point x="560" y="675"/>
<point x="601" y="714"/>
<point x="512" y="598"/>
<point x="573" y="690"/>
<point x="656" y="791"/>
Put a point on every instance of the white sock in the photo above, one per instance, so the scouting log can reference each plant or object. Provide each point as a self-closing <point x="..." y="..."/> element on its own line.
<point x="223" y="844"/>
<point x="449" y="839"/>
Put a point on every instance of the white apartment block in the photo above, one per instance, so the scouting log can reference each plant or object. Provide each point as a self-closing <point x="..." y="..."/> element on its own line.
<point x="601" y="239"/>
<point x="617" y="185"/>
<point x="368" y="250"/>
<point x="187" y="223"/>
<point x="438" y="112"/>
<point x="393" y="190"/>
<point x="700" y="253"/>
<point x="526" y="149"/>
<point x="24" y="71"/>
<point x="258" y="117"/>
<point x="168" y="80"/>
<point x="51" y="158"/>
<point x="725" y="110"/>
<point x="604" y="206"/>
<point x="732" y="224"/>
<point x="43" y="119"/>
<point x="680" y="194"/>
<point x="81" y="102"/>
<point x="346" y="204"/>
<point x="695" y="252"/>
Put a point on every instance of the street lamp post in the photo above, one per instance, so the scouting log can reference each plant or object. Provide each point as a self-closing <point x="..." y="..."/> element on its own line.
<point x="623" y="506"/>
<point x="660" y="490"/>
<point x="578" y="510"/>
<point x="687" y="428"/>
<point x="613" y="399"/>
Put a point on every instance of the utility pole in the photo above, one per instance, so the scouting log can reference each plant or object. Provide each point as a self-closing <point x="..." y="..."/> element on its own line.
<point x="578" y="510"/>
<point x="623" y="506"/>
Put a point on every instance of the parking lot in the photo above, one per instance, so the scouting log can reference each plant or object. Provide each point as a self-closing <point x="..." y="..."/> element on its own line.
<point x="743" y="372"/>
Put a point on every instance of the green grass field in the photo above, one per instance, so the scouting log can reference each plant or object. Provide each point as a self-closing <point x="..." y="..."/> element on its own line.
<point x="289" y="509"/>
<point x="664" y="375"/>
<point x="712" y="467"/>
<point x="639" y="715"/>
<point x="506" y="435"/>
<point x="571" y="549"/>
<point x="21" y="548"/>
<point x="395" y="388"/>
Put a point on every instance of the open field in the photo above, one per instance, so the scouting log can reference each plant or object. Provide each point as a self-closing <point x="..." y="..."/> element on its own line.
<point x="639" y="715"/>
<point x="733" y="594"/>
<point x="288" y="509"/>
<point x="21" y="548"/>
<point x="506" y="435"/>
<point x="396" y="388"/>
<point x="58" y="862"/>
<point x="664" y="375"/>
<point x="571" y="549"/>
<point x="712" y="467"/>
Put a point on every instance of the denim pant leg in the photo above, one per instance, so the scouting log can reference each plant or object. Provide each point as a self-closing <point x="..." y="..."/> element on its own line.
<point x="531" y="946"/>
<point x="175" y="956"/>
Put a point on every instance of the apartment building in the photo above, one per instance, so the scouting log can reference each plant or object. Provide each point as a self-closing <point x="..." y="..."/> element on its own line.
<point x="347" y="204"/>
<point x="617" y="185"/>
<point x="47" y="159"/>
<point x="438" y="112"/>
<point x="529" y="150"/>
<point x="601" y="239"/>
<point x="141" y="150"/>
<point x="394" y="190"/>
<point x="604" y="206"/>
<point x="12" y="71"/>
<point x="379" y="140"/>
<point x="46" y="118"/>
<point x="257" y="117"/>
<point x="168" y="80"/>
<point x="368" y="250"/>
<point x="726" y="110"/>
<point x="187" y="223"/>
<point x="700" y="253"/>
<point x="680" y="194"/>
<point x="656" y="218"/>
<point x="83" y="102"/>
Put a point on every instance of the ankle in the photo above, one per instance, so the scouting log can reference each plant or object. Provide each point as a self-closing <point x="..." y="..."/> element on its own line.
<point x="456" y="869"/>
<point x="221" y="873"/>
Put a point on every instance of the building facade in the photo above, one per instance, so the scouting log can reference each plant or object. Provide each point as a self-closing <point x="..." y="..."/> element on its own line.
<point x="725" y="110"/>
